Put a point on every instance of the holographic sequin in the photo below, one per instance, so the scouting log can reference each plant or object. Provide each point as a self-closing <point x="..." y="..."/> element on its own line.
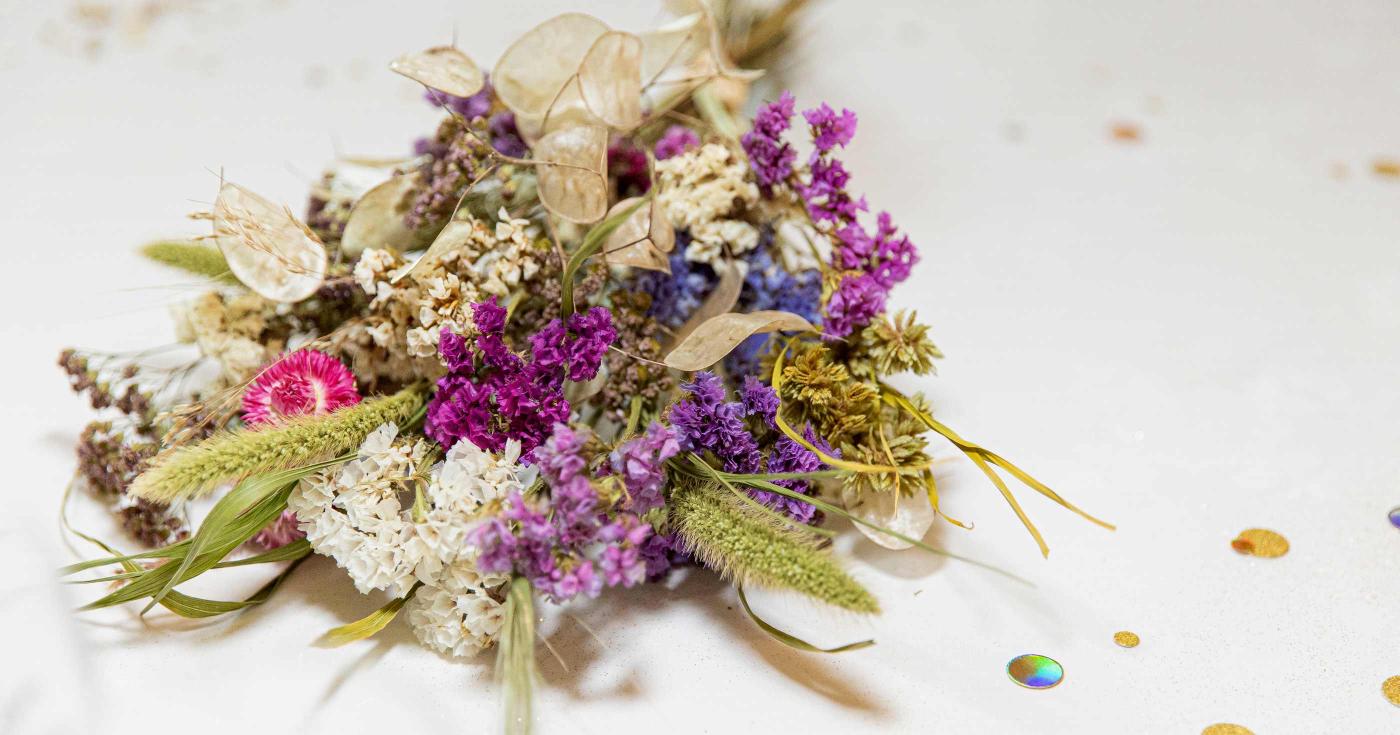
<point x="1395" y="516"/>
<point x="1034" y="671"/>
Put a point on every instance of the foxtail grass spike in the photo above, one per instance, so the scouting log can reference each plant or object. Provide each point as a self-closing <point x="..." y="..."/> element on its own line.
<point x="192" y="471"/>
<point x="192" y="257"/>
<point x="754" y="549"/>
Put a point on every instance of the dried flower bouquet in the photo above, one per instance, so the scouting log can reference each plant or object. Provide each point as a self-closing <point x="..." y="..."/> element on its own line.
<point x="599" y="324"/>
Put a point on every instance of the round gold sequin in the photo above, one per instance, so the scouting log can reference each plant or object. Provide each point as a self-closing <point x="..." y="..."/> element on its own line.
<point x="1126" y="639"/>
<point x="1226" y="728"/>
<point x="1260" y="542"/>
<point x="1391" y="689"/>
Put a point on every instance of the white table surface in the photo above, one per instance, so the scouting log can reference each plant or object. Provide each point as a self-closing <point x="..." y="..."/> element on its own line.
<point x="1190" y="335"/>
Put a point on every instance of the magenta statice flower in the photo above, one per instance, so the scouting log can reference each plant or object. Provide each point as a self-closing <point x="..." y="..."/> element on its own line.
<point x="830" y="129"/>
<point x="572" y="545"/>
<point x="303" y="383"/>
<point x="769" y="155"/>
<point x="628" y="164"/>
<point x="491" y="394"/>
<point x="676" y="140"/>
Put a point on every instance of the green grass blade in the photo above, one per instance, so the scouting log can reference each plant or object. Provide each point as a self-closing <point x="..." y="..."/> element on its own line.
<point x="368" y="625"/>
<point x="789" y="639"/>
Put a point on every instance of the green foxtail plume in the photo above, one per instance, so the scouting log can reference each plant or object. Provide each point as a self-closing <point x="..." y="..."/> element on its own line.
<point x="191" y="257"/>
<point x="190" y="471"/>
<point x="756" y="549"/>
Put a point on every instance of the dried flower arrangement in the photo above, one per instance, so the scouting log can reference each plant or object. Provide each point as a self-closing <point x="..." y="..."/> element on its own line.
<point x="598" y="325"/>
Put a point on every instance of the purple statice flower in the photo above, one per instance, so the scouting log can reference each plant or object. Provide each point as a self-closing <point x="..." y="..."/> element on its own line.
<point x="706" y="422"/>
<point x="470" y="108"/>
<point x="789" y="456"/>
<point x="769" y="155"/>
<point x="491" y="394"/>
<point x="759" y="400"/>
<point x="857" y="299"/>
<point x="676" y="140"/>
<point x="830" y="129"/>
<point x="571" y="546"/>
<point x="500" y="127"/>
<point x="505" y="138"/>
<point x="871" y="265"/>
<point x="676" y="294"/>
<point x="621" y="560"/>
<point x="660" y="552"/>
<point x="641" y="463"/>
<point x="825" y="195"/>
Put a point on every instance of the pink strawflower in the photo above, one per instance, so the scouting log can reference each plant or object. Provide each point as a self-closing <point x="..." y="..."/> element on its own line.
<point x="303" y="383"/>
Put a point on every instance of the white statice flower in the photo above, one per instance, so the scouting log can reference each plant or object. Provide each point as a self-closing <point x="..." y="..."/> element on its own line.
<point x="228" y="330"/>
<point x="471" y="260"/>
<point x="353" y="512"/>
<point x="506" y="259"/>
<point x="458" y="622"/>
<point x="361" y="514"/>
<point x="704" y="191"/>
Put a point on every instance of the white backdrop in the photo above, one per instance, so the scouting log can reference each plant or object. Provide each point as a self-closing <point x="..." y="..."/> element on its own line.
<point x="1189" y="335"/>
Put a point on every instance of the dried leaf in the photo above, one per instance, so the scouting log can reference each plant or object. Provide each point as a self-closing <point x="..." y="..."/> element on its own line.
<point x="719" y="335"/>
<point x="530" y="73"/>
<point x="567" y="110"/>
<point x="572" y="172"/>
<point x="452" y="236"/>
<point x="709" y="29"/>
<point x="643" y="240"/>
<point x="443" y="68"/>
<point x="267" y="248"/>
<point x="610" y="79"/>
<point x="377" y="219"/>
<point x="675" y="59"/>
<point x="908" y="515"/>
<point x="721" y="300"/>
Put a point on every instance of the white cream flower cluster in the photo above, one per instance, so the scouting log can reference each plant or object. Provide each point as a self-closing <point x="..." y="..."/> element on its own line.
<point x="362" y="514"/>
<point x="228" y="330"/>
<point x="701" y="191"/>
<point x="407" y="313"/>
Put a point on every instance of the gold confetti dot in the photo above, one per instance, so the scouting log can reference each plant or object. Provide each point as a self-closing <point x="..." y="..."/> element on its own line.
<point x="1125" y="132"/>
<point x="1388" y="167"/>
<point x="1391" y="690"/>
<point x="1226" y="728"/>
<point x="1260" y="542"/>
<point x="1126" y="639"/>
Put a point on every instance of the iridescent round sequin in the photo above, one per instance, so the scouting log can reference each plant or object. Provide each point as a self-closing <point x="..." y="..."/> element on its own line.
<point x="1226" y="728"/>
<point x="1260" y="542"/>
<point x="1126" y="639"/>
<point x="1395" y="516"/>
<point x="1034" y="671"/>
